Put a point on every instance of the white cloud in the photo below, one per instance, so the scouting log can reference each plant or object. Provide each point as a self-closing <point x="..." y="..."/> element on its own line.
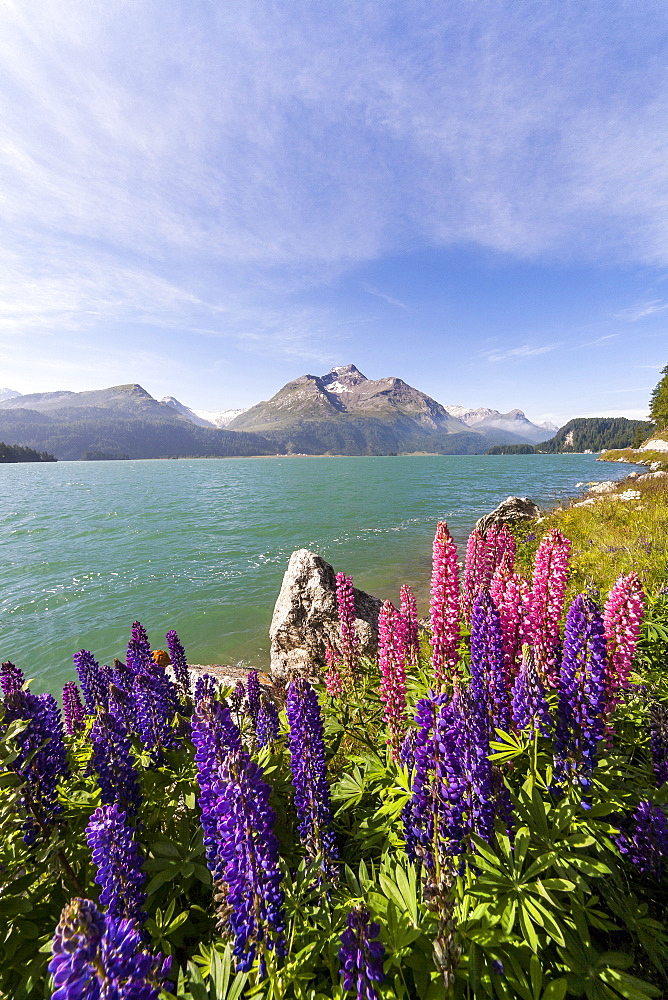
<point x="526" y="351"/>
<point x="641" y="310"/>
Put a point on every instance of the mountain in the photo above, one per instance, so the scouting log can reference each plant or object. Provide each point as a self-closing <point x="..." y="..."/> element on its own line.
<point x="123" y="421"/>
<point x="203" y="418"/>
<point x="344" y="412"/>
<point x="8" y="394"/>
<point x="596" y="434"/>
<point x="514" y="422"/>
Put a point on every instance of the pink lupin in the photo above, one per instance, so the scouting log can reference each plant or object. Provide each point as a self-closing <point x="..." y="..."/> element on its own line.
<point x="333" y="678"/>
<point x="392" y="663"/>
<point x="622" y="619"/>
<point x="546" y="602"/>
<point x="410" y="619"/>
<point x="500" y="547"/>
<point x="345" y="597"/>
<point x="444" y="605"/>
<point x="510" y="593"/>
<point x="477" y="568"/>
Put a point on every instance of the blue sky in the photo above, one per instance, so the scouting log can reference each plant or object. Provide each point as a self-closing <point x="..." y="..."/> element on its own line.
<point x="213" y="198"/>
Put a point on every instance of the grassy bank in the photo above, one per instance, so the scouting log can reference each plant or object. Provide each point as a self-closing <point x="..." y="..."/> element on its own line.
<point x="612" y="533"/>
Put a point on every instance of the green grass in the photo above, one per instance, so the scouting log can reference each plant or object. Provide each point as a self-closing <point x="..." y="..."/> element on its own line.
<point x="610" y="537"/>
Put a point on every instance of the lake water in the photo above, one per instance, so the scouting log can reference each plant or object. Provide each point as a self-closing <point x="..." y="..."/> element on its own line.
<point x="201" y="545"/>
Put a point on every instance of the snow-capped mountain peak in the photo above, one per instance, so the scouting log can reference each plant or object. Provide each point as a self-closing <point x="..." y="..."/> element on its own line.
<point x="8" y="393"/>
<point x="203" y="418"/>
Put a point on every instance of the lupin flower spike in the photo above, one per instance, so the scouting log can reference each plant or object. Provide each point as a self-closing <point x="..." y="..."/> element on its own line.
<point x="530" y="708"/>
<point x="345" y="598"/>
<point x="112" y="760"/>
<point x="180" y="667"/>
<point x="41" y="761"/>
<point x="444" y="606"/>
<point x="581" y="693"/>
<point x="361" y="956"/>
<point x="254" y="694"/>
<point x="510" y="592"/>
<point x="242" y="849"/>
<point x="93" y="682"/>
<point x="622" y="620"/>
<point x="118" y="861"/>
<point x="267" y="724"/>
<point x="392" y="663"/>
<point x="644" y="840"/>
<point x="488" y="673"/>
<point x="11" y="678"/>
<point x="313" y="802"/>
<point x="96" y="956"/>
<point x="546" y="603"/>
<point x="75" y="713"/>
<point x="409" y="615"/>
<point x="333" y="678"/>
<point x="477" y="570"/>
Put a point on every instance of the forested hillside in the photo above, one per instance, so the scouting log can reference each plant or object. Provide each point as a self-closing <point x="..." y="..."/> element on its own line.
<point x="15" y="453"/>
<point x="596" y="434"/>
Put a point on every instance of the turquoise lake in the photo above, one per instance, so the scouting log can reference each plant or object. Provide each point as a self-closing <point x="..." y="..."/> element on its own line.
<point x="201" y="545"/>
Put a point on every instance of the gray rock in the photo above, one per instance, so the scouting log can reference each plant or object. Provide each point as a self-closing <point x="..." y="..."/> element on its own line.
<point x="306" y="616"/>
<point x="512" y="509"/>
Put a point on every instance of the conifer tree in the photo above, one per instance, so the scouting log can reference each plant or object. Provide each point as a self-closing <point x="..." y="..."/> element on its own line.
<point x="658" y="406"/>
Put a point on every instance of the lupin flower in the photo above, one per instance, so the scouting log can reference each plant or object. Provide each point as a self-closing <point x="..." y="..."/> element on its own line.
<point x="267" y="724"/>
<point x="12" y="678"/>
<point x="118" y="861"/>
<point x="112" y="760"/>
<point x="392" y="663"/>
<point x="333" y="678"/>
<point x="139" y="635"/>
<point x="254" y="694"/>
<point x="501" y="548"/>
<point x="622" y="620"/>
<point x="444" y="605"/>
<point x="242" y="849"/>
<point x="345" y="599"/>
<point x="154" y="712"/>
<point x="658" y="720"/>
<point x="581" y="693"/>
<point x="75" y="713"/>
<point x="530" y="708"/>
<point x="214" y="736"/>
<point x="139" y="657"/>
<point x="313" y="802"/>
<point x="42" y="758"/>
<point x="409" y="615"/>
<point x="93" y="681"/>
<point x="489" y="678"/>
<point x="477" y="570"/>
<point x="96" y="956"/>
<point x="361" y="956"/>
<point x="510" y="592"/>
<point x="179" y="663"/>
<point x="546" y="602"/>
<point x="206" y="686"/>
<point x="453" y="791"/>
<point x="644" y="840"/>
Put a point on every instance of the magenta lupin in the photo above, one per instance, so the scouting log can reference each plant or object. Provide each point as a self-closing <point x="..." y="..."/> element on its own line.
<point x="444" y="605"/>
<point x="477" y="570"/>
<point x="410" y="619"/>
<point x="622" y="621"/>
<point x="345" y="598"/>
<point x="546" y="602"/>
<point x="392" y="663"/>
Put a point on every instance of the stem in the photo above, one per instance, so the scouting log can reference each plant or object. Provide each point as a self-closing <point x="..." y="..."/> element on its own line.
<point x="69" y="871"/>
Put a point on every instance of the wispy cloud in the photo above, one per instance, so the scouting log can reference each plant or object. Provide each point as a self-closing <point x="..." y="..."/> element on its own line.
<point x="386" y="298"/>
<point x="642" y="310"/>
<point x="526" y="351"/>
<point x="599" y="340"/>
